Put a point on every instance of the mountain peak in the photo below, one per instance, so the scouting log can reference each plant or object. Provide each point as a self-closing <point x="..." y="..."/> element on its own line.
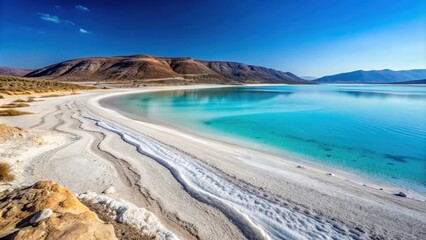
<point x="374" y="76"/>
<point x="158" y="69"/>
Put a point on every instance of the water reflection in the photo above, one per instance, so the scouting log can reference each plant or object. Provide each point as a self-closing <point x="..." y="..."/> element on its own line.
<point x="374" y="136"/>
<point x="384" y="95"/>
<point x="208" y="96"/>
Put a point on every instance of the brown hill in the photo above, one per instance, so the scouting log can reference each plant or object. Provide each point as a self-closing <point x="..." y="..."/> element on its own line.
<point x="17" y="72"/>
<point x="147" y="68"/>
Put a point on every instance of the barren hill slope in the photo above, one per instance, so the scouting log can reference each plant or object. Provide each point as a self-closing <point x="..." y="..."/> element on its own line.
<point x="17" y="72"/>
<point x="149" y="68"/>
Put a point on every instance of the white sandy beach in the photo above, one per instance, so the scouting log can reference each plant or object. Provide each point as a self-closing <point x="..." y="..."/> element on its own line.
<point x="199" y="187"/>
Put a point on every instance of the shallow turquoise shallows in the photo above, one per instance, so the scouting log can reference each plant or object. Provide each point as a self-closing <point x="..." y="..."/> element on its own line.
<point x="378" y="131"/>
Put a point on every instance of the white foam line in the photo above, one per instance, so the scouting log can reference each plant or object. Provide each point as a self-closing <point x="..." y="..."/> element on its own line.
<point x="256" y="217"/>
<point x="145" y="221"/>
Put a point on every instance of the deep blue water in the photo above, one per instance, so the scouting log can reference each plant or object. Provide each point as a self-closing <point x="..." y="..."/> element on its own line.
<point x="378" y="131"/>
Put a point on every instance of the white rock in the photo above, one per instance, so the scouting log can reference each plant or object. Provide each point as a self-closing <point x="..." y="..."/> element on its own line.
<point x="43" y="214"/>
<point x="109" y="190"/>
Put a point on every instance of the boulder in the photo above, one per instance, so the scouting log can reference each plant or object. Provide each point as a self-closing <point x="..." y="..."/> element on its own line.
<point x="49" y="211"/>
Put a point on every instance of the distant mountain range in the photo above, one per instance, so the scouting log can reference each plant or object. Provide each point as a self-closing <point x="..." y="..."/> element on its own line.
<point x="185" y="70"/>
<point x="422" y="81"/>
<point x="169" y="70"/>
<point x="309" y="78"/>
<point x="17" y="72"/>
<point x="374" y="76"/>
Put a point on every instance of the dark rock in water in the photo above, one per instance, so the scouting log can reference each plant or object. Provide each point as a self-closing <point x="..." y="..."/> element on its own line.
<point x="389" y="163"/>
<point x="327" y="149"/>
<point x="328" y="155"/>
<point x="401" y="194"/>
<point x="395" y="157"/>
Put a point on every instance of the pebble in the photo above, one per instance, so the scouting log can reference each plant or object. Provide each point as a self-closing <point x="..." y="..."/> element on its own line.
<point x="43" y="214"/>
<point x="330" y="174"/>
<point x="109" y="190"/>
<point x="401" y="194"/>
<point x="360" y="229"/>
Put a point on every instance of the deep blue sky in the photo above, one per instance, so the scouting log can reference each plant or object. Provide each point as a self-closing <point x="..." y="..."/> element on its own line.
<point x="308" y="38"/>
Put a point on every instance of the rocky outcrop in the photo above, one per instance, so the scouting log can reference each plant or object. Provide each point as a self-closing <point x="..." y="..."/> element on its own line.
<point x="55" y="213"/>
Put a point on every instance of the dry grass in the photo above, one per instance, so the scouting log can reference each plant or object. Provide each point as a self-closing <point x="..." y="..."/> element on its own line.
<point x="5" y="173"/>
<point x="1" y="96"/>
<point x="53" y="95"/>
<point x="12" y="112"/>
<point x="30" y="99"/>
<point x="18" y="86"/>
<point x="14" y="105"/>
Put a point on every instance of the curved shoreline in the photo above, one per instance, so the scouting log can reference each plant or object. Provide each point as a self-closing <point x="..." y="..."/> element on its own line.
<point x="348" y="207"/>
<point x="347" y="174"/>
<point x="313" y="174"/>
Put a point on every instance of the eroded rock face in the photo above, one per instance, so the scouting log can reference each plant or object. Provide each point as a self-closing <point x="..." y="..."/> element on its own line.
<point x="70" y="218"/>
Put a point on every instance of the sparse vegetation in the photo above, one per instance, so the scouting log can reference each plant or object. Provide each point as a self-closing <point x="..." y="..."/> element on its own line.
<point x="15" y="105"/>
<point x="12" y="112"/>
<point x="53" y="95"/>
<point x="5" y="173"/>
<point x="30" y="99"/>
<point x="18" y="86"/>
<point x="1" y="97"/>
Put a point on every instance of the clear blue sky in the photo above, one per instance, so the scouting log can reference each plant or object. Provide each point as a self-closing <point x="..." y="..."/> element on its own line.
<point x="308" y="38"/>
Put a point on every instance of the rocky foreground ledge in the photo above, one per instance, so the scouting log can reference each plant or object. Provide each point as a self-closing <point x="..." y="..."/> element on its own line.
<point x="49" y="211"/>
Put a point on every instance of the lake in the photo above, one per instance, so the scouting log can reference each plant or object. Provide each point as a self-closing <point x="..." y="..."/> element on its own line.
<point x="378" y="131"/>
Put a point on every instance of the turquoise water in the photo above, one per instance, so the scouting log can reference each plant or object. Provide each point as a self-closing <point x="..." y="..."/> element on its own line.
<point x="378" y="131"/>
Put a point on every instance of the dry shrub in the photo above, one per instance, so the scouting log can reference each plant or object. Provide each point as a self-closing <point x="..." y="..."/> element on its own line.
<point x="14" y="105"/>
<point x="5" y="173"/>
<point x="30" y="99"/>
<point x="53" y="95"/>
<point x="19" y="85"/>
<point x="12" y="112"/>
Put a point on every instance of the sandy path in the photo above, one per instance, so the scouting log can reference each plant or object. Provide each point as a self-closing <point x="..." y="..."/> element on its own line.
<point x="96" y="157"/>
